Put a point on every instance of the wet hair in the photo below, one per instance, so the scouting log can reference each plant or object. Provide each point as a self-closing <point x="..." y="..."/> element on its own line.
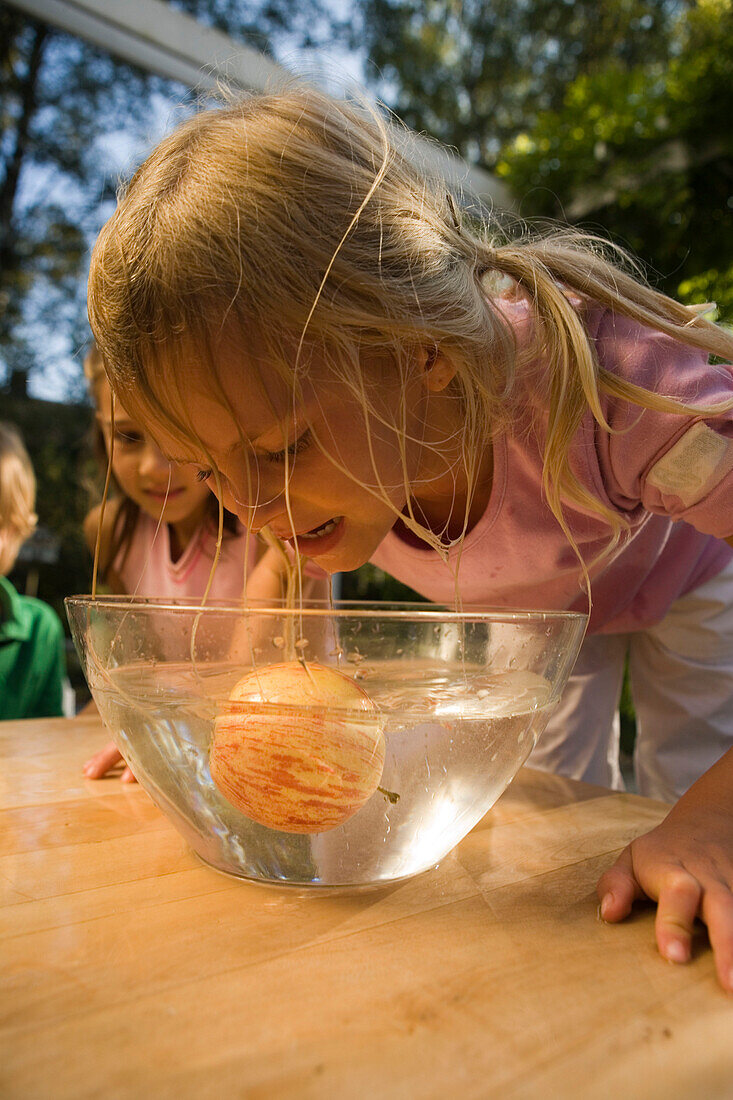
<point x="128" y="513"/>
<point x="17" y="495"/>
<point x="297" y="218"/>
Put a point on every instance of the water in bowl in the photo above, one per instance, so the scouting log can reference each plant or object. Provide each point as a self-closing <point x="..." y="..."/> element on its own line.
<point x="454" y="740"/>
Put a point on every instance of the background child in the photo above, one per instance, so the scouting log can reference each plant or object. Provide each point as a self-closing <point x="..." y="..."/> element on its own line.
<point x="159" y="531"/>
<point x="32" y="659"/>
<point x="288" y="303"/>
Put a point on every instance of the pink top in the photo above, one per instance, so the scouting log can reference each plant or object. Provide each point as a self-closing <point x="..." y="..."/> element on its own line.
<point x="147" y="570"/>
<point x="669" y="476"/>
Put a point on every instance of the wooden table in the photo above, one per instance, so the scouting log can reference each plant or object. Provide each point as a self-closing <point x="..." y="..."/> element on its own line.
<point x="129" y="969"/>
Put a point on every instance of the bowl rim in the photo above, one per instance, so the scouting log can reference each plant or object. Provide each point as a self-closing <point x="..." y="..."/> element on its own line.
<point x="339" y="609"/>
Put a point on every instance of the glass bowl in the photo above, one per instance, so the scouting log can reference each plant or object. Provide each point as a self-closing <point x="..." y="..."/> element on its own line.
<point x="364" y="740"/>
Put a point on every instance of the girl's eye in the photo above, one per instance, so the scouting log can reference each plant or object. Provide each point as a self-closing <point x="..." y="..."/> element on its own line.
<point x="129" y="439"/>
<point x="301" y="444"/>
<point x="203" y="475"/>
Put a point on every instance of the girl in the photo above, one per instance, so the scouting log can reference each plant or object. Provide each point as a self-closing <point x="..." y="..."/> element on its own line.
<point x="292" y="308"/>
<point x="159" y="528"/>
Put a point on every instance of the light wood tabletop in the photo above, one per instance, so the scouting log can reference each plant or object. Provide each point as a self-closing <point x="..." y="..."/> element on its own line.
<point x="129" y="969"/>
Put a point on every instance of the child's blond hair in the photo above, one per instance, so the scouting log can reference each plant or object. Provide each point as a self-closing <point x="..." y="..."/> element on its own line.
<point x="294" y="216"/>
<point x="17" y="496"/>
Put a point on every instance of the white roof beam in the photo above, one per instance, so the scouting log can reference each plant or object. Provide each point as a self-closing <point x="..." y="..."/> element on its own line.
<point x="156" y="37"/>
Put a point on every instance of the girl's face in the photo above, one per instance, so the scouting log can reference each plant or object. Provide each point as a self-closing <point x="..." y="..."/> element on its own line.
<point x="143" y="473"/>
<point x="345" y="475"/>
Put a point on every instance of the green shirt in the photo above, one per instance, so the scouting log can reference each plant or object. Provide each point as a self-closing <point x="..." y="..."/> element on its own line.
<point x="32" y="659"/>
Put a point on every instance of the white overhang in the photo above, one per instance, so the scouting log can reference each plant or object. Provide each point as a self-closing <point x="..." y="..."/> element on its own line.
<point x="156" y="37"/>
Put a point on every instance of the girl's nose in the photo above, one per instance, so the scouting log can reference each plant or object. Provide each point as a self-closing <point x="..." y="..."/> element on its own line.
<point x="253" y="516"/>
<point x="263" y="514"/>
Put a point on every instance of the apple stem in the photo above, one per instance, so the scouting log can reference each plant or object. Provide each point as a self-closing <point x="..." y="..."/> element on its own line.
<point x="390" y="795"/>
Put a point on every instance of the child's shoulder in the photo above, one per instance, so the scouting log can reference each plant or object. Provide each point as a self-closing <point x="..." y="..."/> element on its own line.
<point x="47" y="623"/>
<point x="30" y="617"/>
<point x="652" y="359"/>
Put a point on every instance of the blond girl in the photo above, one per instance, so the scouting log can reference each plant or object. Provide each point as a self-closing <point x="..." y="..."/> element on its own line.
<point x="289" y="306"/>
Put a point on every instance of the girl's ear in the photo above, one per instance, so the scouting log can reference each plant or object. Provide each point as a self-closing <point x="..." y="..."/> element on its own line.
<point x="437" y="368"/>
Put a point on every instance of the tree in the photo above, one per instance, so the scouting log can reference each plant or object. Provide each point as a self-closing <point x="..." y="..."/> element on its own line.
<point x="474" y="74"/>
<point x="71" y="120"/>
<point x="647" y="151"/>
<point x="608" y="112"/>
<point x="57" y="97"/>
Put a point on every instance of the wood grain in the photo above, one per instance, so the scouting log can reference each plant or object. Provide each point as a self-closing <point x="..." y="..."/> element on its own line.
<point x="129" y="969"/>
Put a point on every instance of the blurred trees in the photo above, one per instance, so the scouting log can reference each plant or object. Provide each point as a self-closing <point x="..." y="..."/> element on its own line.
<point x="58" y="97"/>
<point x="72" y="118"/>
<point x="611" y="114"/>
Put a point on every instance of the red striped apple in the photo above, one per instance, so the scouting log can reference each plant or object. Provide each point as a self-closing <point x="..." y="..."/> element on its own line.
<point x="308" y="767"/>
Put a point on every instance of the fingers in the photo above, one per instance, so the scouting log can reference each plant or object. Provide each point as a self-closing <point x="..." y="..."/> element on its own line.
<point x="618" y="889"/>
<point x="679" y="902"/>
<point x="687" y="881"/>
<point x="127" y="776"/>
<point x="717" y="912"/>
<point x="102" y="761"/>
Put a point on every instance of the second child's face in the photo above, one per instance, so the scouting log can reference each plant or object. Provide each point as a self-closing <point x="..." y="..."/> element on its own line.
<point x="144" y="474"/>
<point x="342" y="473"/>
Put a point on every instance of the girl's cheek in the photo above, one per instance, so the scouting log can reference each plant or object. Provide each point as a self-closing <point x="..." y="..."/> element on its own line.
<point x="224" y="495"/>
<point x="124" y="475"/>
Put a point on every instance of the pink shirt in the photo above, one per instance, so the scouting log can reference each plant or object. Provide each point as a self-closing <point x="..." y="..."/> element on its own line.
<point x="669" y="476"/>
<point x="147" y="570"/>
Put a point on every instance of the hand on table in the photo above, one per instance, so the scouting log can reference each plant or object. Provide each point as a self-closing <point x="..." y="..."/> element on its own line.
<point x="686" y="866"/>
<point x="104" y="761"/>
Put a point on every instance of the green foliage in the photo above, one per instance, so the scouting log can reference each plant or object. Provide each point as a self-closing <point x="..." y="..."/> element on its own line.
<point x="476" y="74"/>
<point x="611" y="115"/>
<point x="627" y="717"/>
<point x="648" y="152"/>
<point x="371" y="583"/>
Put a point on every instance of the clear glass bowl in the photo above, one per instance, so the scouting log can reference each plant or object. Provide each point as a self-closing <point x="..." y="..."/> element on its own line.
<point x="438" y="713"/>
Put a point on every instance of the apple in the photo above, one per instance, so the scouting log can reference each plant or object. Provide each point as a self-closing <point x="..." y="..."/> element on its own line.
<point x="307" y="767"/>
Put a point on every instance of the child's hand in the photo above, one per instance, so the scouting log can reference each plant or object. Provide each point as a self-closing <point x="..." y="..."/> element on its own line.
<point x="686" y="866"/>
<point x="104" y="761"/>
<point x="268" y="578"/>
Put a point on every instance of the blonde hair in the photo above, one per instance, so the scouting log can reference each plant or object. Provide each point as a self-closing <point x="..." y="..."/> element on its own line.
<point x="17" y="496"/>
<point x="295" y="215"/>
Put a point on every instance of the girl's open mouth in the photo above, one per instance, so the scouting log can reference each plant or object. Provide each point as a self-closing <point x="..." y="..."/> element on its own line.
<point x="162" y="494"/>
<point x="319" y="539"/>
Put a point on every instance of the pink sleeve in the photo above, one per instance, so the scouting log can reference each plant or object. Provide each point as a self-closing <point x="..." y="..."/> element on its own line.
<point x="676" y="465"/>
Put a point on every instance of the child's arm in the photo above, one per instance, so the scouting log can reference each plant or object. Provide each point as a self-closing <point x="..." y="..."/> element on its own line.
<point x="686" y="866"/>
<point x="268" y="579"/>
